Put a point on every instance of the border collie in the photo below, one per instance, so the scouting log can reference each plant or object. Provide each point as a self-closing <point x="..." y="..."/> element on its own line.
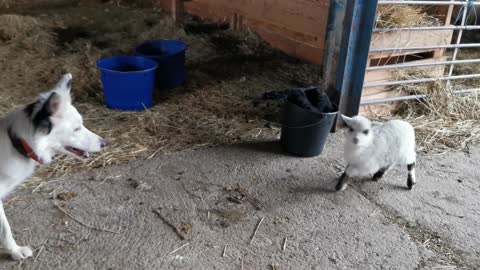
<point x="32" y="135"/>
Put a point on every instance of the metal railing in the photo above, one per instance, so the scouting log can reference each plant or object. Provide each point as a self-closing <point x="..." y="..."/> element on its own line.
<point x="414" y="97"/>
<point x="422" y="80"/>
<point x="448" y="77"/>
<point x="423" y="48"/>
<point x="428" y="3"/>
<point x="428" y="28"/>
<point x="436" y="63"/>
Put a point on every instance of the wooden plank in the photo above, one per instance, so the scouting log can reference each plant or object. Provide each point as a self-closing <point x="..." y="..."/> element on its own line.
<point x="404" y="39"/>
<point x="442" y="12"/>
<point x="448" y="11"/>
<point x="314" y="41"/>
<point x="28" y="5"/>
<point x="304" y="16"/>
<point x="164" y="4"/>
<point x="215" y="13"/>
<point x="300" y="50"/>
<point x="379" y="110"/>
<point x="291" y="41"/>
<point x="408" y="39"/>
<point x="177" y="10"/>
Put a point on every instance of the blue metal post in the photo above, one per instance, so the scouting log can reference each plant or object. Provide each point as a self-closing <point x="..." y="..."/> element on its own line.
<point x="339" y="19"/>
<point x="357" y="47"/>
<point x="334" y="56"/>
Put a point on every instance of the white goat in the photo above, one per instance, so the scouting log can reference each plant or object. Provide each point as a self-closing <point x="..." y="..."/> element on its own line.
<point x="372" y="149"/>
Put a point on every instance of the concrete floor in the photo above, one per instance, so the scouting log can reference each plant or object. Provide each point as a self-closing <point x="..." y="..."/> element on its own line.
<point x="216" y="197"/>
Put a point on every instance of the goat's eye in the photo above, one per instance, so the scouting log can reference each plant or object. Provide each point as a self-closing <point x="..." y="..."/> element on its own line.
<point x="365" y="132"/>
<point x="77" y="129"/>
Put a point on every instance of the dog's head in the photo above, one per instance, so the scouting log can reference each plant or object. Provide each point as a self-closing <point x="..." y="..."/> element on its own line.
<point x="58" y="126"/>
<point x="359" y="130"/>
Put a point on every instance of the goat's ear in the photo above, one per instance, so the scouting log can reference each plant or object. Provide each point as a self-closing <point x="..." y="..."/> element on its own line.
<point x="346" y="119"/>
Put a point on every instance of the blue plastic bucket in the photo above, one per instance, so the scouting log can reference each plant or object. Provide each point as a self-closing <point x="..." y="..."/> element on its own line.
<point x="170" y="57"/>
<point x="128" y="82"/>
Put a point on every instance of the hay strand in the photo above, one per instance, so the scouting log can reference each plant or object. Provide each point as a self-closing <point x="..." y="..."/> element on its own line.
<point x="445" y="121"/>
<point x="390" y="16"/>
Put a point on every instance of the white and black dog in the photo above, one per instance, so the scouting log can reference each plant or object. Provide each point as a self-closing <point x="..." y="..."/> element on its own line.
<point x="34" y="134"/>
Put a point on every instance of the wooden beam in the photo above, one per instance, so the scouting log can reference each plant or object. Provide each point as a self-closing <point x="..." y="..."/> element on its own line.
<point x="177" y="10"/>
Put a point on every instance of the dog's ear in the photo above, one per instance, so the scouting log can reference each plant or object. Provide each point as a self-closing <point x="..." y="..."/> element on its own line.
<point x="65" y="83"/>
<point x="53" y="103"/>
<point x="50" y="107"/>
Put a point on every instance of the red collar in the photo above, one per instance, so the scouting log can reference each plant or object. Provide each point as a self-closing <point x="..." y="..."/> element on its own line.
<point x="23" y="147"/>
<point x="29" y="152"/>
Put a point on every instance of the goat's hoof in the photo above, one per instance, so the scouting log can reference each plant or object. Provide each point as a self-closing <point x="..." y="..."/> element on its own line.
<point x="410" y="185"/>
<point x="20" y="253"/>
<point x="410" y="182"/>
<point x="340" y="186"/>
<point x="378" y="175"/>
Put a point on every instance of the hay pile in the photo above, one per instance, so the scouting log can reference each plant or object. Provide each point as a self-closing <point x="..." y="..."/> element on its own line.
<point x="225" y="72"/>
<point x="445" y="121"/>
<point x="390" y="16"/>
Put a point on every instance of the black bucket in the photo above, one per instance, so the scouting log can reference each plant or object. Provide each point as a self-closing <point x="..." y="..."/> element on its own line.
<point x="304" y="132"/>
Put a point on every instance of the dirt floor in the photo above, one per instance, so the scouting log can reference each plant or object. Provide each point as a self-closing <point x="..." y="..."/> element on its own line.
<point x="208" y="204"/>
<point x="226" y="73"/>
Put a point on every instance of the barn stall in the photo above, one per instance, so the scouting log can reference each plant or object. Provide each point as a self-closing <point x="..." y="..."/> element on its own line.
<point x="227" y="72"/>
<point x="411" y="56"/>
<point x="236" y="52"/>
<point x="229" y="66"/>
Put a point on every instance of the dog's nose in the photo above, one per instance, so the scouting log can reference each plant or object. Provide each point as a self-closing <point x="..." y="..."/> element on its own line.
<point x="355" y="140"/>
<point x="103" y="143"/>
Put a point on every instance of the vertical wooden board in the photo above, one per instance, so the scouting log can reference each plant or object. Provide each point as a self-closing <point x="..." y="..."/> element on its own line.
<point x="442" y="12"/>
<point x="164" y="4"/>
<point x="296" y="43"/>
<point x="303" y="51"/>
<point x="206" y="10"/>
<point x="297" y="27"/>
<point x="304" y="16"/>
<point x="177" y="10"/>
<point x="219" y="12"/>
<point x="7" y="6"/>
<point x="300" y="37"/>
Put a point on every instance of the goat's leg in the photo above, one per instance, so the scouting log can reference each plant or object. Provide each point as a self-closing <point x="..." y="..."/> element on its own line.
<point x="378" y="175"/>
<point x="411" y="181"/>
<point x="343" y="181"/>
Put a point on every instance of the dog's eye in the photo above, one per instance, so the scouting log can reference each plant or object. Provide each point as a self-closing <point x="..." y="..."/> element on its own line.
<point x="350" y="129"/>
<point x="77" y="129"/>
<point x="365" y="132"/>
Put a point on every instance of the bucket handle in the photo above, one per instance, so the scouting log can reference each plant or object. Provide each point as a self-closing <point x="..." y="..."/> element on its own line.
<point x="307" y="126"/>
<point x="311" y="125"/>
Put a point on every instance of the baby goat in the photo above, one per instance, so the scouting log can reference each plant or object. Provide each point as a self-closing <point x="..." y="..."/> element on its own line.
<point x="372" y="149"/>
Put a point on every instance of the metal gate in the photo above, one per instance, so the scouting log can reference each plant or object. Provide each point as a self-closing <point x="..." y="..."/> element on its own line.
<point x="464" y="10"/>
<point x="347" y="51"/>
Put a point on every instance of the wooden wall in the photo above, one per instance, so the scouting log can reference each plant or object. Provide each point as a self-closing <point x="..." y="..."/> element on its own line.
<point x="11" y="6"/>
<point x="7" y="6"/>
<point x="297" y="27"/>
